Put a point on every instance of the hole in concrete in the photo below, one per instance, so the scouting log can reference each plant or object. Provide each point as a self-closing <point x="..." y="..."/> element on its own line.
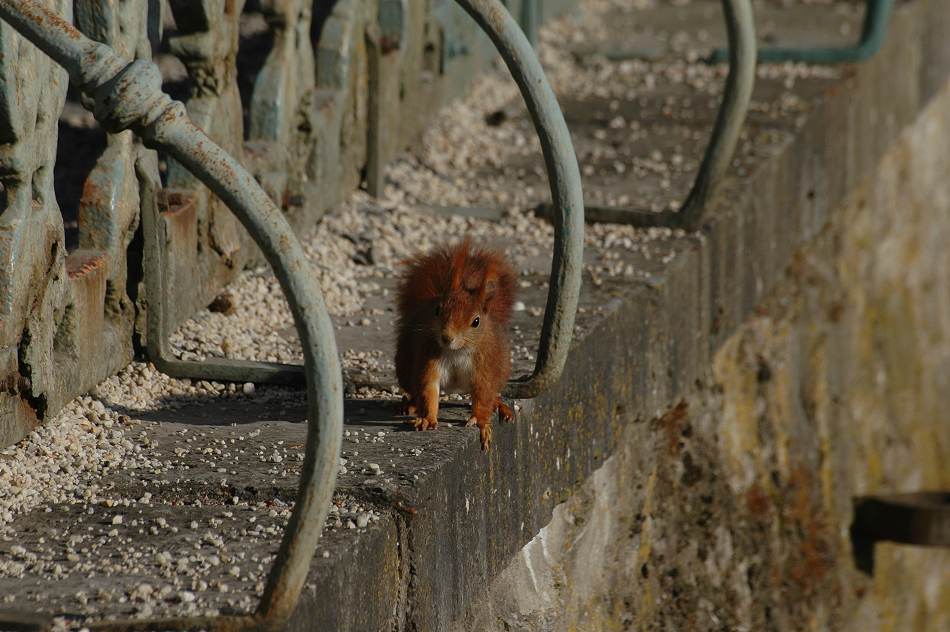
<point x="81" y="143"/>
<point x="36" y="402"/>
<point x="619" y="411"/>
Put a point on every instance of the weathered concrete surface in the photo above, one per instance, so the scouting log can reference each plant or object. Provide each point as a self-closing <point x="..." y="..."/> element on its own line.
<point x="731" y="511"/>
<point x="693" y="327"/>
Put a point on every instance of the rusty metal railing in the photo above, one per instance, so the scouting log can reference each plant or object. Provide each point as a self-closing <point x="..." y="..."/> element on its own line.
<point x="128" y="96"/>
<point x="740" y="28"/>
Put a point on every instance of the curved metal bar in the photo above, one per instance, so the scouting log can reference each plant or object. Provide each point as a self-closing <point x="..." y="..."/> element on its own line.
<point x="876" y="18"/>
<point x="565" y="180"/>
<point x="740" y="26"/>
<point x="129" y="96"/>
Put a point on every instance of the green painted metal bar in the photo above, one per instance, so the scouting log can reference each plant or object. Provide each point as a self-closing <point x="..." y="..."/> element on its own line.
<point x="531" y="20"/>
<point x="564" y="179"/>
<point x="876" y="19"/>
<point x="128" y="96"/>
<point x="740" y="27"/>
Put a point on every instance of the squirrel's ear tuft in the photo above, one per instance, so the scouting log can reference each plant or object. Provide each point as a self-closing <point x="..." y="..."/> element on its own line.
<point x="459" y="257"/>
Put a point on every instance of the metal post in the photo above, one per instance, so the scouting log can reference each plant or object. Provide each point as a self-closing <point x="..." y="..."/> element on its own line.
<point x="530" y="20"/>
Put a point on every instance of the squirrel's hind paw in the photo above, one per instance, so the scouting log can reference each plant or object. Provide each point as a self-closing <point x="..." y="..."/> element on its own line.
<point x="505" y="411"/>
<point x="485" y="432"/>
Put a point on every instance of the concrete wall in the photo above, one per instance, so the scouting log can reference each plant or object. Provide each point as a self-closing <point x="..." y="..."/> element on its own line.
<point x="732" y="510"/>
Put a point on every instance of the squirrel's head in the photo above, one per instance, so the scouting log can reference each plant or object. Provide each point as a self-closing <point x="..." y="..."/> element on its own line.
<point x="466" y="292"/>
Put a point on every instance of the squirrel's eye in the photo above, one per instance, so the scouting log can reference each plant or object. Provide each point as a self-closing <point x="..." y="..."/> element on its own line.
<point x="475" y="322"/>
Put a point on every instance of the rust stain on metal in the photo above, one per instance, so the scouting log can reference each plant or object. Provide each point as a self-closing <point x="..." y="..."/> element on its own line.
<point x="51" y="20"/>
<point x="84" y="262"/>
<point x="180" y="211"/>
<point x="93" y="194"/>
<point x="27" y="413"/>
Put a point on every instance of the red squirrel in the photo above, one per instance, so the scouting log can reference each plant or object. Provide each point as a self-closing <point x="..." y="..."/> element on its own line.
<point x="454" y="307"/>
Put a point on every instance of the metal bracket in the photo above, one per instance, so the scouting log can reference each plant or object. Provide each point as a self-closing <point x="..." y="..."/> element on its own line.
<point x="156" y="337"/>
<point x="921" y="519"/>
<point x="876" y="18"/>
<point x="740" y="27"/>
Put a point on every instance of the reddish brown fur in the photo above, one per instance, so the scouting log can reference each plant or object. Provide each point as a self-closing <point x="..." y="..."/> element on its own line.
<point x="440" y="296"/>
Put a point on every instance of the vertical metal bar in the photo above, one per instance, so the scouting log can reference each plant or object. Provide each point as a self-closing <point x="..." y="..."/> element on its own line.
<point x="530" y="20"/>
<point x="740" y="27"/>
<point x="129" y="96"/>
<point x="564" y="179"/>
<point x="375" y="161"/>
<point x="873" y="32"/>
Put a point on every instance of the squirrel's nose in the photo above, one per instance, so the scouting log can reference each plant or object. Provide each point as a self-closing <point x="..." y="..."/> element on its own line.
<point x="446" y="339"/>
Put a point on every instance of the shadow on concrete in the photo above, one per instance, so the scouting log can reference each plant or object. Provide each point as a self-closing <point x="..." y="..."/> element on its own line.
<point x="280" y="406"/>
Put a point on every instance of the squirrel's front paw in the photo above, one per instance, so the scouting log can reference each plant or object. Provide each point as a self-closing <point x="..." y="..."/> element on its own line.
<point x="421" y="423"/>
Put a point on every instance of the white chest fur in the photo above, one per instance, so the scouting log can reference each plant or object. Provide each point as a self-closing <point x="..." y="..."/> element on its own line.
<point x="455" y="371"/>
